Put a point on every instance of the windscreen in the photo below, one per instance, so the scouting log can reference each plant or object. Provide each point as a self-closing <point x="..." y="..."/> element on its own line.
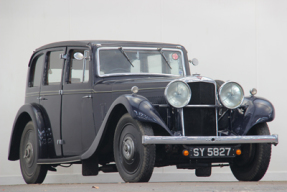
<point x="132" y="61"/>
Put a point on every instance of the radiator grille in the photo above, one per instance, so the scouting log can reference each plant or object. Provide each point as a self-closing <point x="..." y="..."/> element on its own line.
<point x="200" y="121"/>
<point x="202" y="93"/>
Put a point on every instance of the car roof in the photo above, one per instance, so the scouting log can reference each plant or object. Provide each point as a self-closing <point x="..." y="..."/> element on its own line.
<point x="85" y="43"/>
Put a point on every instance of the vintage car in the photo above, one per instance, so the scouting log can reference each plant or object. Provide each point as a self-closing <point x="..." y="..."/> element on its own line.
<point x="127" y="107"/>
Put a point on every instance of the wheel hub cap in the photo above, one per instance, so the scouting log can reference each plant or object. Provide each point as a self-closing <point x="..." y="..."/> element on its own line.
<point x="128" y="148"/>
<point x="28" y="153"/>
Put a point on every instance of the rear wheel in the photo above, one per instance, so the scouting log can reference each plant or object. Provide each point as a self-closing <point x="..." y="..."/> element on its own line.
<point x="253" y="163"/>
<point x="31" y="171"/>
<point x="134" y="161"/>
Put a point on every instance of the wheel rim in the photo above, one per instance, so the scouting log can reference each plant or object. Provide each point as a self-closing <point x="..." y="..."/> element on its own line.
<point x="129" y="152"/>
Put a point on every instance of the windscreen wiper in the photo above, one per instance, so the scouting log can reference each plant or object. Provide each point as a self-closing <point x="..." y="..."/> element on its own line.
<point x="124" y="53"/>
<point x="160" y="50"/>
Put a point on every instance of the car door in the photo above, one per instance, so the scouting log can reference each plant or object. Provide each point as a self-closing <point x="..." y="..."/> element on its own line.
<point x="50" y="94"/>
<point x="77" y="112"/>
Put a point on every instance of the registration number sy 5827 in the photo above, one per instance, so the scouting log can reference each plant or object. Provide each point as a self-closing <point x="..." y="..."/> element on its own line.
<point x="212" y="152"/>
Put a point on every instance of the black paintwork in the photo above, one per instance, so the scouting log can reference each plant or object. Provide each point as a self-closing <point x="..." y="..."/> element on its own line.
<point x="85" y="115"/>
<point x="254" y="110"/>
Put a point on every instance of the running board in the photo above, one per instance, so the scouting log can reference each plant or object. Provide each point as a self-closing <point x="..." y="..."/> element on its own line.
<point x="59" y="160"/>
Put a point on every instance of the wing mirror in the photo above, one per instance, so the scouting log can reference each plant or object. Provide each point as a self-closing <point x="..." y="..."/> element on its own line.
<point x="194" y="61"/>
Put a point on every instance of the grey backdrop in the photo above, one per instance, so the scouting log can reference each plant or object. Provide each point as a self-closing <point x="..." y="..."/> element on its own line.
<point x="239" y="40"/>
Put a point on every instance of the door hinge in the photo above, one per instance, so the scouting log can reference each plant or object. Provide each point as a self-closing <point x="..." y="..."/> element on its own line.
<point x="61" y="92"/>
<point x="60" y="142"/>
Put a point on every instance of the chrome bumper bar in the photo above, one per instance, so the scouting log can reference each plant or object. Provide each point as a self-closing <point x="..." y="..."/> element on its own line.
<point x="273" y="139"/>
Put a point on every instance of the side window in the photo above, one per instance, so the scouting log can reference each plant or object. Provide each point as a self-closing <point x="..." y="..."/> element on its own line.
<point x="78" y="66"/>
<point x="53" y="71"/>
<point x="36" y="70"/>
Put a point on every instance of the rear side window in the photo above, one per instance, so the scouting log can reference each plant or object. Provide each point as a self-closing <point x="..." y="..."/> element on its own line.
<point x="36" y="71"/>
<point x="54" y="68"/>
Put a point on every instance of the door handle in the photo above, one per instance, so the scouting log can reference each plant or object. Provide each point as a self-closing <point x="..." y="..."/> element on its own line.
<point x="42" y="98"/>
<point x="87" y="96"/>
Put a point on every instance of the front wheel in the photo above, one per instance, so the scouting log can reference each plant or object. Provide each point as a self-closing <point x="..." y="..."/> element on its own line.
<point x="31" y="171"/>
<point x="134" y="161"/>
<point x="253" y="163"/>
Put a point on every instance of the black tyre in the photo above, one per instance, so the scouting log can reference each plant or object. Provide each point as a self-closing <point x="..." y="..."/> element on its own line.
<point x="31" y="171"/>
<point x="253" y="163"/>
<point x="134" y="161"/>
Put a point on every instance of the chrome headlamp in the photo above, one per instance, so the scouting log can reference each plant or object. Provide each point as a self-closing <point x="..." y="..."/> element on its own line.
<point x="177" y="94"/>
<point x="231" y="95"/>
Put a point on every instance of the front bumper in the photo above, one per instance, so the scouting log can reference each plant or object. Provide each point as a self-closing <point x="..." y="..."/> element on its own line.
<point x="273" y="139"/>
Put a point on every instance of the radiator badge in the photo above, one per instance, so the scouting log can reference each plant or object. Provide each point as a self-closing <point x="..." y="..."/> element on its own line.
<point x="199" y="77"/>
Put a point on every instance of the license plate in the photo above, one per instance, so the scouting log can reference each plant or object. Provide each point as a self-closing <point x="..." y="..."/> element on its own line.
<point x="211" y="152"/>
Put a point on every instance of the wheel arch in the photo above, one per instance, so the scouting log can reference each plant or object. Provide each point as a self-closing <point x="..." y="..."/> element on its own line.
<point x="142" y="110"/>
<point x="256" y="110"/>
<point x="106" y="143"/>
<point x="137" y="106"/>
<point x="28" y="112"/>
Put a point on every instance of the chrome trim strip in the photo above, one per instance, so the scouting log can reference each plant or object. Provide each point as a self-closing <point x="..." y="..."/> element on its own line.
<point x="204" y="106"/>
<point x="83" y="91"/>
<point x="139" y="74"/>
<point x="127" y="90"/>
<point x="191" y="106"/>
<point x="102" y="91"/>
<point x="151" y="88"/>
<point x="32" y="93"/>
<point x="73" y="93"/>
<point x="35" y="95"/>
<point x="50" y="92"/>
<point x="182" y="121"/>
<point x="77" y="90"/>
<point x="210" y="139"/>
<point x="161" y="105"/>
<point x="138" y="48"/>
<point x="216" y="119"/>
